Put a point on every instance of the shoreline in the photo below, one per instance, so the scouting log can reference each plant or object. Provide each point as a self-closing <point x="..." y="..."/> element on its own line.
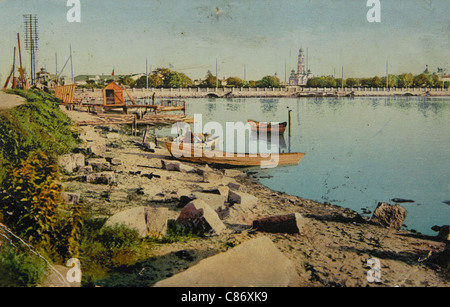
<point x="332" y="250"/>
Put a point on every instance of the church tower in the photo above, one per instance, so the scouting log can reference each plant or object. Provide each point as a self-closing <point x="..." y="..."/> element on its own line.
<point x="300" y="64"/>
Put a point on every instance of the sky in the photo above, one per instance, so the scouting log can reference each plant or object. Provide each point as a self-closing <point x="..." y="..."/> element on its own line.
<point x="247" y="38"/>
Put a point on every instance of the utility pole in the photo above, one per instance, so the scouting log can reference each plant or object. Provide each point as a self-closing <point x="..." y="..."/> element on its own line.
<point x="146" y="72"/>
<point x="31" y="41"/>
<point x="217" y="77"/>
<point x="387" y="74"/>
<point x="71" y="63"/>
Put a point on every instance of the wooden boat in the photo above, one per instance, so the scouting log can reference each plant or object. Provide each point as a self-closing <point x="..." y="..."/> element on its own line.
<point x="200" y="140"/>
<point x="199" y="155"/>
<point x="268" y="127"/>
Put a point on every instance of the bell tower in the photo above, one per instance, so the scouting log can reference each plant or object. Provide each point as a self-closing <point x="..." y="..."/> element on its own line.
<point x="300" y="64"/>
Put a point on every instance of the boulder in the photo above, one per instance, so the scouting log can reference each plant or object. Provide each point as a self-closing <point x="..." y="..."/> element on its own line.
<point x="99" y="164"/>
<point x="198" y="216"/>
<point x="233" y="186"/>
<point x="245" y="200"/>
<point x="254" y="263"/>
<point x="145" y="220"/>
<point x="389" y="215"/>
<point x="70" y="198"/>
<point x="289" y="223"/>
<point x="444" y="232"/>
<point x="177" y="167"/>
<point x="71" y="162"/>
<point x="97" y="147"/>
<point x="85" y="169"/>
<point x="215" y="201"/>
<point x="101" y="178"/>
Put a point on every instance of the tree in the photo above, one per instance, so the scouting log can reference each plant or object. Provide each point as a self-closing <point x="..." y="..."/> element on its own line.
<point x="126" y="80"/>
<point x="210" y="80"/>
<point x="420" y="80"/>
<point x="269" y="81"/>
<point x="376" y="82"/>
<point x="405" y="80"/>
<point x="366" y="82"/>
<point x="433" y="80"/>
<point x="176" y="79"/>
<point x="324" y="81"/>
<point x="351" y="82"/>
<point x="235" y="82"/>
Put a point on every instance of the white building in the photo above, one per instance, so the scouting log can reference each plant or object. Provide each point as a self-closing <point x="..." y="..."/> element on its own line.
<point x="302" y="76"/>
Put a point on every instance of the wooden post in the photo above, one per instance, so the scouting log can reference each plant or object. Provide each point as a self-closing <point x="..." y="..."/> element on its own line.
<point x="289" y="121"/>
<point x="145" y="134"/>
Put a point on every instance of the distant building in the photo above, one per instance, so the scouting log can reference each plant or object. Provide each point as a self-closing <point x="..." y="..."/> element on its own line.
<point x="302" y="76"/>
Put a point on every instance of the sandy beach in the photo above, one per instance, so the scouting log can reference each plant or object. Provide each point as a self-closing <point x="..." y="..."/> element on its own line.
<point x="333" y="249"/>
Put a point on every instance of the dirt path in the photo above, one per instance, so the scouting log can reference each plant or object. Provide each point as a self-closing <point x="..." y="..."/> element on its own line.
<point x="10" y="101"/>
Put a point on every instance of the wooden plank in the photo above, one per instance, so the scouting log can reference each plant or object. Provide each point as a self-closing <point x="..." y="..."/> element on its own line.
<point x="66" y="93"/>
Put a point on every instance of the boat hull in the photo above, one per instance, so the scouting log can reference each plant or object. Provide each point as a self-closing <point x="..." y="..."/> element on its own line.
<point x="197" y="155"/>
<point x="267" y="127"/>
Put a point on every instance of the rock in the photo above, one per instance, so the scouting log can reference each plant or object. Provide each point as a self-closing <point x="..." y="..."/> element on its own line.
<point x="198" y="216"/>
<point x="389" y="215"/>
<point x="184" y="200"/>
<point x="290" y="223"/>
<point x="114" y="161"/>
<point x="177" y="167"/>
<point x="402" y="200"/>
<point x="99" y="164"/>
<point x="246" y="200"/>
<point x="233" y="173"/>
<point x="101" y="178"/>
<point x="233" y="186"/>
<point x="85" y="169"/>
<point x="97" y="147"/>
<point x="70" y="198"/>
<point x="254" y="263"/>
<point x="215" y="201"/>
<point x="71" y="162"/>
<point x="145" y="220"/>
<point x="444" y="232"/>
<point x="222" y="190"/>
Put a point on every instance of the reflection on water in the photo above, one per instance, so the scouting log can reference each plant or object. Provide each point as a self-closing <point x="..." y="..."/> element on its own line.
<point x="359" y="151"/>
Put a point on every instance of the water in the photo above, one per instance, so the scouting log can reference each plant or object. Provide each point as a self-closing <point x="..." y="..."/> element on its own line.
<point x="359" y="151"/>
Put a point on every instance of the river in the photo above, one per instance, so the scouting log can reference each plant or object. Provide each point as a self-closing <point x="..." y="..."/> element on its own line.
<point x="359" y="151"/>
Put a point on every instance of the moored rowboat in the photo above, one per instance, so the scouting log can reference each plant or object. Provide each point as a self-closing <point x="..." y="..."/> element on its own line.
<point x="268" y="127"/>
<point x="198" y="155"/>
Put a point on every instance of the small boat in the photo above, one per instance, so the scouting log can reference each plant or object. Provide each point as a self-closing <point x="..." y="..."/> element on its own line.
<point x="269" y="127"/>
<point x="200" y="140"/>
<point x="202" y="155"/>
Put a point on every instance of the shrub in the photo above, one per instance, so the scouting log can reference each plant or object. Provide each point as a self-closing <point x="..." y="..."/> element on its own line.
<point x="19" y="269"/>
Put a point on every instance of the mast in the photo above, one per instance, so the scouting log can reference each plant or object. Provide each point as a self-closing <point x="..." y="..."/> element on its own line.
<point x="71" y="63"/>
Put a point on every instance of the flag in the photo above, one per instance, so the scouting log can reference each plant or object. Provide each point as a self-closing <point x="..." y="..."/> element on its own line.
<point x="112" y="74"/>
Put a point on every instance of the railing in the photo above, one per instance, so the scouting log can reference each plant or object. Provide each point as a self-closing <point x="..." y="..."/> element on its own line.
<point x="283" y="89"/>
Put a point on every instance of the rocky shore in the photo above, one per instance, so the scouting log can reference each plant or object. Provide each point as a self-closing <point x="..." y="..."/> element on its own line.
<point x="254" y="236"/>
